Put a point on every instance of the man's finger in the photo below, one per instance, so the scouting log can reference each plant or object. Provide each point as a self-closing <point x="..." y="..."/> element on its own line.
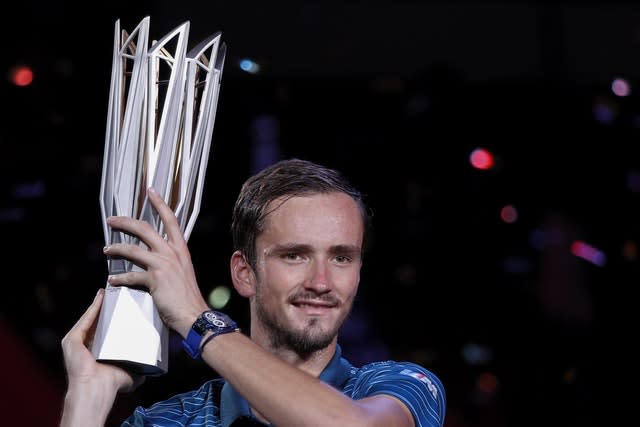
<point x="86" y="321"/>
<point x="89" y="316"/>
<point x="141" y="229"/>
<point x="168" y="217"/>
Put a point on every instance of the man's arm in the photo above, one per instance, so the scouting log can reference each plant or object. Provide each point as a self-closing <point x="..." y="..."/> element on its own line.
<point x="286" y="395"/>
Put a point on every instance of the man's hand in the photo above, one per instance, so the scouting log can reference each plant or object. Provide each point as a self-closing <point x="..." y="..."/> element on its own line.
<point x="168" y="271"/>
<point x="80" y="363"/>
<point x="92" y="385"/>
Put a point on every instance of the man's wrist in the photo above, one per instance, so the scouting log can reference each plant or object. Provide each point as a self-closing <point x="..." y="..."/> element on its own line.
<point x="86" y="405"/>
<point x="206" y="327"/>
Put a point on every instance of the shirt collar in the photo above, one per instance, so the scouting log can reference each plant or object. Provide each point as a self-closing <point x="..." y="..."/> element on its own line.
<point x="233" y="405"/>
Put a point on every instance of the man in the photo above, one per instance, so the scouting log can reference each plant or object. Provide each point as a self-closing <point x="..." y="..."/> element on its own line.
<point x="299" y="230"/>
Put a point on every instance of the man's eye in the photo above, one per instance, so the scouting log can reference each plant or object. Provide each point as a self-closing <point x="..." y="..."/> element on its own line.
<point x="291" y="256"/>
<point x="343" y="259"/>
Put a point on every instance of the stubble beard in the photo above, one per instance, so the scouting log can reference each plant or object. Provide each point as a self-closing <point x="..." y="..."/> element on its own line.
<point x="302" y="342"/>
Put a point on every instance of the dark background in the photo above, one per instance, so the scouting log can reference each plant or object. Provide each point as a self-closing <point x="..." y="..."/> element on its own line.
<point x="396" y="94"/>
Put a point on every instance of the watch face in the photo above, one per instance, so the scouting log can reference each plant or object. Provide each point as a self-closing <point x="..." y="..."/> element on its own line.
<point x="215" y="319"/>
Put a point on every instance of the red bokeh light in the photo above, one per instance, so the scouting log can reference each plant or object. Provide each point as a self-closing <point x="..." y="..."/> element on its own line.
<point x="481" y="158"/>
<point x="21" y="75"/>
<point x="509" y="214"/>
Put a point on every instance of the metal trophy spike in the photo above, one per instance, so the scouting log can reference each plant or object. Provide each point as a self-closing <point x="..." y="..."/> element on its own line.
<point x="162" y="108"/>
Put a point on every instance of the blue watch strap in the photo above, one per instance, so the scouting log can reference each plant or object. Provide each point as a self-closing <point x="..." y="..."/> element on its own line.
<point x="214" y="321"/>
<point x="191" y="344"/>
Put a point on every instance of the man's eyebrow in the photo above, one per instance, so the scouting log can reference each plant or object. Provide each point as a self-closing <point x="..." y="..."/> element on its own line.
<point x="290" y="247"/>
<point x="351" y="250"/>
<point x="346" y="249"/>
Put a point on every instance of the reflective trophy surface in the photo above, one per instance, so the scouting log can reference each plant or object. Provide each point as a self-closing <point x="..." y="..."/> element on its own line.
<point x="162" y="107"/>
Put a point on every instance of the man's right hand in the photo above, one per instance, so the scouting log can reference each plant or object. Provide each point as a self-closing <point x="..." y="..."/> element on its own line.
<point x="92" y="386"/>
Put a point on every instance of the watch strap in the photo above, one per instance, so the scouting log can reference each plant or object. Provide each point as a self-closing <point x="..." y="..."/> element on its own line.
<point x="191" y="343"/>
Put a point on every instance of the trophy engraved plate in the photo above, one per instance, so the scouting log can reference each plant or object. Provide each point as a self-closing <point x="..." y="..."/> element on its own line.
<point x="162" y="107"/>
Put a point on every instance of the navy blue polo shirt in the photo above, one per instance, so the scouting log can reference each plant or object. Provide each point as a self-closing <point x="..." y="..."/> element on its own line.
<point x="217" y="403"/>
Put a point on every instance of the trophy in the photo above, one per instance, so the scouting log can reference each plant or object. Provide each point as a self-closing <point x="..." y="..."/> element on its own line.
<point x="162" y="107"/>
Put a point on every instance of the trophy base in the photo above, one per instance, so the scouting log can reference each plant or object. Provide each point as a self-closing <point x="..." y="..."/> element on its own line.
<point x="136" y="368"/>
<point x="130" y="332"/>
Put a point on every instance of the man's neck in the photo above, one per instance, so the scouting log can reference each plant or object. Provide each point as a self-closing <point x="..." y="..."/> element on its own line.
<point x="311" y="363"/>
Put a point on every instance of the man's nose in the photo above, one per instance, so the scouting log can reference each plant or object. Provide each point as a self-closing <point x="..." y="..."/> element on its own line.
<point x="319" y="277"/>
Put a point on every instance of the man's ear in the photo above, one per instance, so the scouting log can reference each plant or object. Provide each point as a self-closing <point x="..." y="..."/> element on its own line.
<point x="242" y="275"/>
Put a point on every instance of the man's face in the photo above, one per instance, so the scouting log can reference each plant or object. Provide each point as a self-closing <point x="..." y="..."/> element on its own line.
<point x="308" y="270"/>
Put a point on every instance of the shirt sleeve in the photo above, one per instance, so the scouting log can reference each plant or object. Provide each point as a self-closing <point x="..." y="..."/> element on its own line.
<point x="417" y="387"/>
<point x="197" y="407"/>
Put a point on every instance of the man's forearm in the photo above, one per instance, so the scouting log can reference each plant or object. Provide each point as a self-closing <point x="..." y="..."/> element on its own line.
<point x="285" y="395"/>
<point x="86" y="406"/>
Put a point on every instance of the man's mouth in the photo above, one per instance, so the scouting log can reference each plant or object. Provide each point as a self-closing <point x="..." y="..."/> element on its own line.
<point x="314" y="307"/>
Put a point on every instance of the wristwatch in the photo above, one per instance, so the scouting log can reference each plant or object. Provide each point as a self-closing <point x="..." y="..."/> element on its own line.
<point x="214" y="321"/>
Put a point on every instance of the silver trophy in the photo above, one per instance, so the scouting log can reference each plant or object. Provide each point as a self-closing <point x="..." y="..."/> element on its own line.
<point x="162" y="108"/>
